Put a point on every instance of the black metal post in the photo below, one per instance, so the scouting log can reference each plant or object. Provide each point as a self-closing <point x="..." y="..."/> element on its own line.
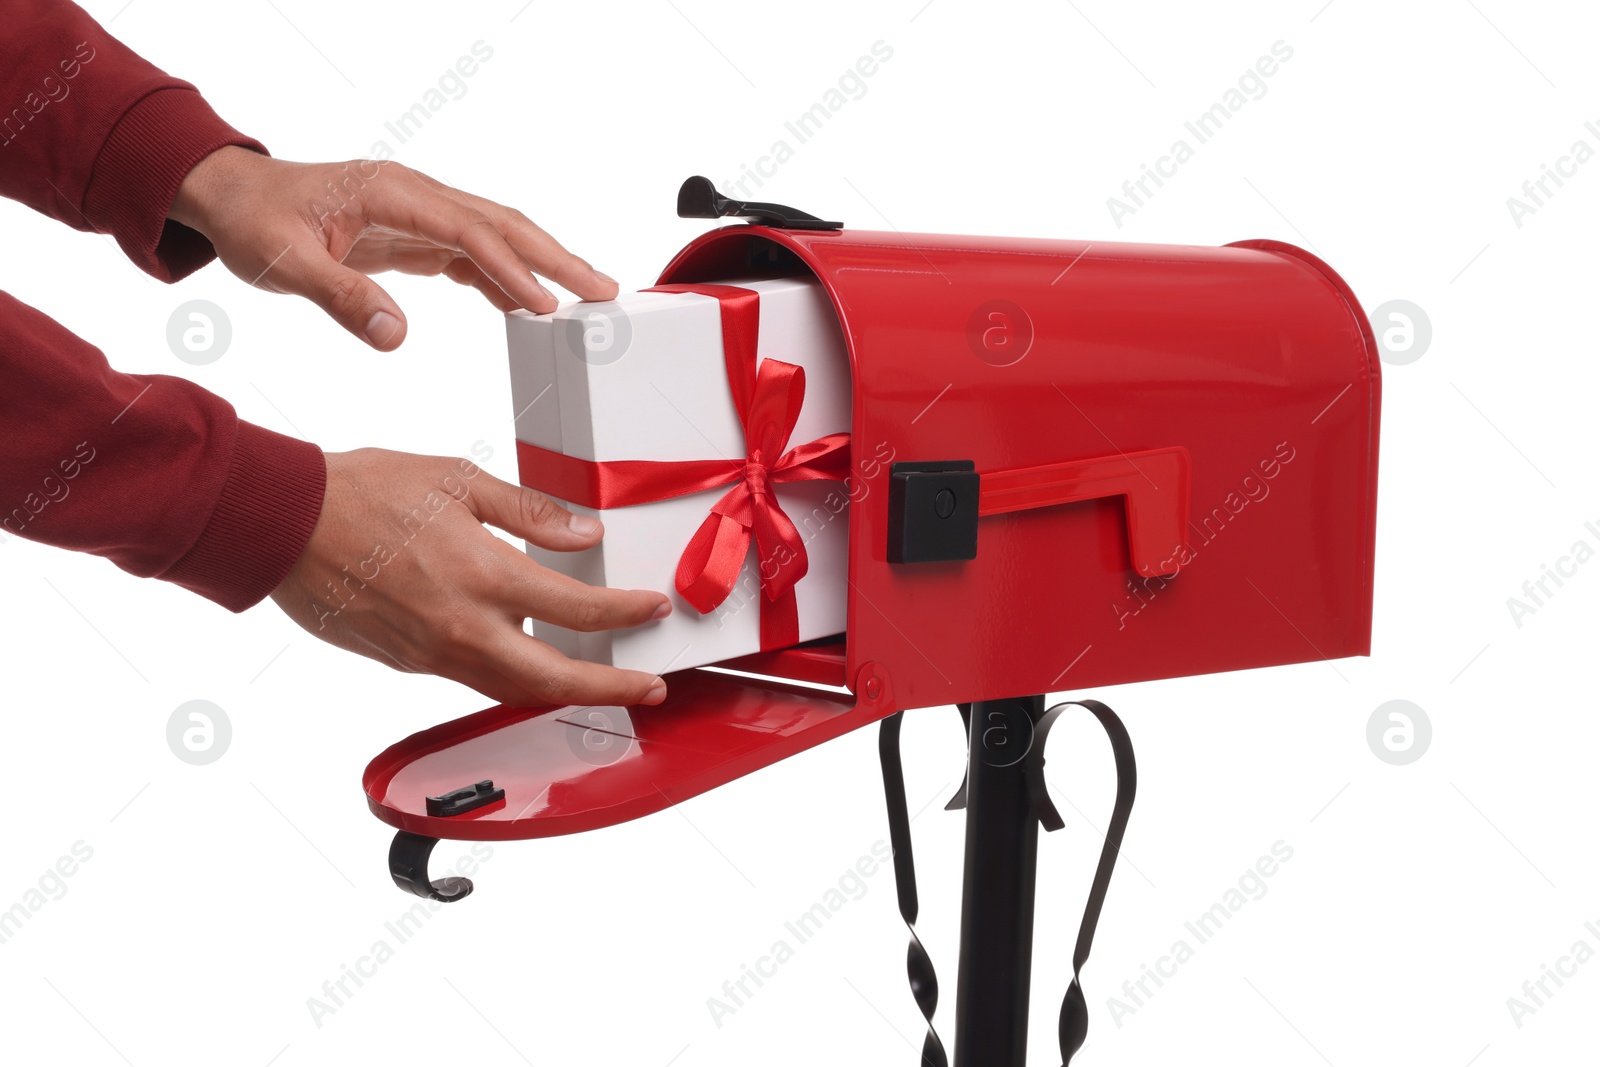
<point x="998" y="888"/>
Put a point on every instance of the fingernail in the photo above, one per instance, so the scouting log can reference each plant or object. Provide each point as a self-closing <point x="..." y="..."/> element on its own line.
<point x="606" y="278"/>
<point x="547" y="294"/>
<point x="381" y="329"/>
<point x="583" y="525"/>
<point x="662" y="610"/>
<point x="657" y="694"/>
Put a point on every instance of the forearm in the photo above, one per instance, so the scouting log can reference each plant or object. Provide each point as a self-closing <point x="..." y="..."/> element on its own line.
<point x="150" y="471"/>
<point x="98" y="138"/>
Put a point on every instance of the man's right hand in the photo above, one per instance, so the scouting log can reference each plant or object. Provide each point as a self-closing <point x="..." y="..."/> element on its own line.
<point x="400" y="569"/>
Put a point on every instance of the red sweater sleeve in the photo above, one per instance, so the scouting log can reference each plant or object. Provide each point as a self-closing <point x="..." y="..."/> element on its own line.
<point x="98" y="138"/>
<point x="150" y="471"/>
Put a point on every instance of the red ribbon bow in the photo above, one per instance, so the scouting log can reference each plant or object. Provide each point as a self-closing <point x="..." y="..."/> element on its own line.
<point x="768" y="400"/>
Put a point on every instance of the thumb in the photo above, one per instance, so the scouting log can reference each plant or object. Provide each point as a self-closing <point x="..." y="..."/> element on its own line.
<point x="350" y="298"/>
<point x="530" y="514"/>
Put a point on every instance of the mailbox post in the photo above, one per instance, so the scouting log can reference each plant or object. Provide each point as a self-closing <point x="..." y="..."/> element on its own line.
<point x="992" y="988"/>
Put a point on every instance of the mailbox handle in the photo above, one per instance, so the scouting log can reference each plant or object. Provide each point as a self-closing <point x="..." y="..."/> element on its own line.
<point x="1154" y="486"/>
<point x="699" y="199"/>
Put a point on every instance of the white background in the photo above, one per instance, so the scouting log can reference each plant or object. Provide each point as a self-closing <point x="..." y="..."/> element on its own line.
<point x="1419" y="898"/>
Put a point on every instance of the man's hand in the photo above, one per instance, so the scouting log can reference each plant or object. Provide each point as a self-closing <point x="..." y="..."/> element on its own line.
<point x="318" y="230"/>
<point x="400" y="569"/>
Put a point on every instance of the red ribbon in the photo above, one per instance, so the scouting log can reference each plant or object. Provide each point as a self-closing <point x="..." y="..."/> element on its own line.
<point x="768" y="399"/>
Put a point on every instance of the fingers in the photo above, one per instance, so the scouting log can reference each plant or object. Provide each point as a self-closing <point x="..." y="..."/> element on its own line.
<point x="529" y="591"/>
<point x="350" y="298"/>
<point x="573" y="681"/>
<point x="419" y="207"/>
<point x="465" y="272"/>
<point x="537" y="248"/>
<point x="545" y="254"/>
<point x="549" y="258"/>
<point x="502" y="662"/>
<point x="530" y="515"/>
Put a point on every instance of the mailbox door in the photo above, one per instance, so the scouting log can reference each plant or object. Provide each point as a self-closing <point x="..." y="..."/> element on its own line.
<point x="564" y="770"/>
<point x="1010" y="353"/>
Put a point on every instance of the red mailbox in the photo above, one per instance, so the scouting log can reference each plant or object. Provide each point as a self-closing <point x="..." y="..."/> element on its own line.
<point x="1205" y="414"/>
<point x="1074" y="464"/>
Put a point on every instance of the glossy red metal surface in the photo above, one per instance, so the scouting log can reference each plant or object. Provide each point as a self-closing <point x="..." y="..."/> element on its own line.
<point x="1086" y="383"/>
<point x="1013" y="353"/>
<point x="816" y="662"/>
<point x="570" y="769"/>
<point x="1154" y="487"/>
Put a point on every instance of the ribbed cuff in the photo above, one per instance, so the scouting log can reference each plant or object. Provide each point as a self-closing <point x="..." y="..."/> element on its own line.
<point x="264" y="517"/>
<point x="152" y="148"/>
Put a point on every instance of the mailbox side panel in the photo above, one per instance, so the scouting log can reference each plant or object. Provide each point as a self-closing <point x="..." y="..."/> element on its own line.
<point x="1014" y="353"/>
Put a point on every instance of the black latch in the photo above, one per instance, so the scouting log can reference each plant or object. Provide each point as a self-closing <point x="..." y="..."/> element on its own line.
<point x="467" y="798"/>
<point x="699" y="199"/>
<point x="933" y="511"/>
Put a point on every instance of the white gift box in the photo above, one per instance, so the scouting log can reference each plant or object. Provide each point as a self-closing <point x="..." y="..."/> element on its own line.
<point x="642" y="377"/>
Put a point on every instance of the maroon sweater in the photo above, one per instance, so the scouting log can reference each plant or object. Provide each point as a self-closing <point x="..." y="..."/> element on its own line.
<point x="150" y="471"/>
